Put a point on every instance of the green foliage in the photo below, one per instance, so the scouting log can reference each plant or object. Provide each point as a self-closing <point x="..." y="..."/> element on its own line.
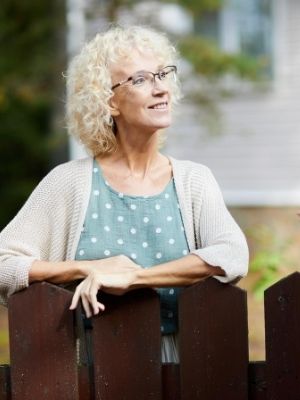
<point x="208" y="60"/>
<point x="268" y="259"/>
<point x="199" y="7"/>
<point x="28" y="64"/>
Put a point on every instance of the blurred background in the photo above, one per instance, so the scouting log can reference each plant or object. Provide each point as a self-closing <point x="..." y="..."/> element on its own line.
<point x="240" y="116"/>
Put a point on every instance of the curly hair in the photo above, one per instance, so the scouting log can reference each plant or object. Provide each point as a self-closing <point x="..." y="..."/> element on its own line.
<point x="88" y="113"/>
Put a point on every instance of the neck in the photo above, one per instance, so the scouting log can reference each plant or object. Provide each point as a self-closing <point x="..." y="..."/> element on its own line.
<point x="138" y="153"/>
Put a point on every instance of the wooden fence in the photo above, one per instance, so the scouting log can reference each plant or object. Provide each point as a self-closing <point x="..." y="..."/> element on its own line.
<point x="118" y="358"/>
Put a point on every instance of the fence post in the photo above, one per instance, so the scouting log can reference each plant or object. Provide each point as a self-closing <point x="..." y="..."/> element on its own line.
<point x="171" y="381"/>
<point x="282" y="321"/>
<point x="257" y="380"/>
<point x="213" y="342"/>
<point x="127" y="347"/>
<point x="42" y="344"/>
<point x="5" y="392"/>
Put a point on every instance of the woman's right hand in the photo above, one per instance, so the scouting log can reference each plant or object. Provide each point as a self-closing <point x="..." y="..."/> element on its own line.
<point x="114" y="275"/>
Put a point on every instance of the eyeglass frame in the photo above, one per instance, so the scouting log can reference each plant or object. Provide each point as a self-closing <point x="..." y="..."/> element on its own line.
<point x="153" y="73"/>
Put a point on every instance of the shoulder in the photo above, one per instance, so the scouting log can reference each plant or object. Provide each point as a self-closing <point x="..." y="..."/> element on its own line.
<point x="190" y="170"/>
<point x="68" y="173"/>
<point x="72" y="167"/>
<point x="64" y="181"/>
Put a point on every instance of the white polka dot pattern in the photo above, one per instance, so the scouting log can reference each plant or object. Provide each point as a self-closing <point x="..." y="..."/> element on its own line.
<point x="147" y="229"/>
<point x="194" y="184"/>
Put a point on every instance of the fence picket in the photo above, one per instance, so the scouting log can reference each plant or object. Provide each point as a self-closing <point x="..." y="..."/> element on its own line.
<point x="213" y="342"/>
<point x="171" y="381"/>
<point x="5" y="392"/>
<point x="257" y="380"/>
<point x="126" y="348"/>
<point x="42" y="344"/>
<point x="282" y="310"/>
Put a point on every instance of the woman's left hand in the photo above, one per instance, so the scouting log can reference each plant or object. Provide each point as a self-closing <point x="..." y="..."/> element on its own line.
<point x="114" y="282"/>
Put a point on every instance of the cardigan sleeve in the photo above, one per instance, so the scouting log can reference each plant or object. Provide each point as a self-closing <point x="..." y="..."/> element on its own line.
<point x="222" y="242"/>
<point x="29" y="235"/>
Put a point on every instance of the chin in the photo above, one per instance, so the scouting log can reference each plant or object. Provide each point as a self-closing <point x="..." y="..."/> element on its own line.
<point x="163" y="124"/>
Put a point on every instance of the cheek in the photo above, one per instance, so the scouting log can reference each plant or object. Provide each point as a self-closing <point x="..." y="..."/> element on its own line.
<point x="133" y="104"/>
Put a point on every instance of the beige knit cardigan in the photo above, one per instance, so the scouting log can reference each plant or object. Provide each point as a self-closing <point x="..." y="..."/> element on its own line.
<point x="49" y="224"/>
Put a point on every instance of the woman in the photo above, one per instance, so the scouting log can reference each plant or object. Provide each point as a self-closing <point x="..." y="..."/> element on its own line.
<point x="128" y="216"/>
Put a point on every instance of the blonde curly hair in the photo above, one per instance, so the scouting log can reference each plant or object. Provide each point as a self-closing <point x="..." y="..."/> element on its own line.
<point x="88" y="77"/>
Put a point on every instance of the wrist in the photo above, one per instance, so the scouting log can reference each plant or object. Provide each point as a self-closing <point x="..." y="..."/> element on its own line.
<point x="140" y="279"/>
<point x="82" y="268"/>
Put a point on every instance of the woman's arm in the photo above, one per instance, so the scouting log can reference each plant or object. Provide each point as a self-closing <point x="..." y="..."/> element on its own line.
<point x="68" y="271"/>
<point x="182" y="272"/>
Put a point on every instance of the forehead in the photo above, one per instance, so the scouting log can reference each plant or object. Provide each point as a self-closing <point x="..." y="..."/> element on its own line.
<point x="136" y="61"/>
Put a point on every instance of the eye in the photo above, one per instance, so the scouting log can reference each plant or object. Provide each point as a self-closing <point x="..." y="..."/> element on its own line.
<point x="162" y="75"/>
<point x="138" y="80"/>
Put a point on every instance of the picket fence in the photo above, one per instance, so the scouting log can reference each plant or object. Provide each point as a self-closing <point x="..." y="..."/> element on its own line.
<point x="117" y="357"/>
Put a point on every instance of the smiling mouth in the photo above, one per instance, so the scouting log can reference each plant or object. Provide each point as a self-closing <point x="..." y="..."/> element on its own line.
<point x="159" y="106"/>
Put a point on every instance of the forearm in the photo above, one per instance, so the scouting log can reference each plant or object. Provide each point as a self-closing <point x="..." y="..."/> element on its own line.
<point x="56" y="272"/>
<point x="182" y="272"/>
<point x="68" y="271"/>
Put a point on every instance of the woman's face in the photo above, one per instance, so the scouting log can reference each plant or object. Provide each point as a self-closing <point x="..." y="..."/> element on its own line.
<point x="144" y="107"/>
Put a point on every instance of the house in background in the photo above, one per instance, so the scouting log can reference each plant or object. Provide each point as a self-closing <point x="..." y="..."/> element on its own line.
<point x="256" y="155"/>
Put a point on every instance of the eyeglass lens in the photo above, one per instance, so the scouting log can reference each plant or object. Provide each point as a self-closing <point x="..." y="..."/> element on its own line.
<point x="148" y="77"/>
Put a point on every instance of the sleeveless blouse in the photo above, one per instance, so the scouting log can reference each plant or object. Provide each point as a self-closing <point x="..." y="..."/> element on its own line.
<point x="147" y="229"/>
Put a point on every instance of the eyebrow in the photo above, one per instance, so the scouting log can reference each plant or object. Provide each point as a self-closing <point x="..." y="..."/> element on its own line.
<point x="144" y="70"/>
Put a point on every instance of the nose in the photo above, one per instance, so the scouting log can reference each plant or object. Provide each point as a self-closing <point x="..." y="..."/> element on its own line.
<point x="159" y="86"/>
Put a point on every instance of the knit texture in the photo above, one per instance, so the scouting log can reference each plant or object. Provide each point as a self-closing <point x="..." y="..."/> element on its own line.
<point x="49" y="224"/>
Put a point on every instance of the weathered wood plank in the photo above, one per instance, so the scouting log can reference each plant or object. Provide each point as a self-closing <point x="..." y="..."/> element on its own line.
<point x="213" y="333"/>
<point x="257" y="384"/>
<point x="127" y="347"/>
<point x="42" y="344"/>
<point x="5" y="390"/>
<point x="171" y="381"/>
<point x="282" y="310"/>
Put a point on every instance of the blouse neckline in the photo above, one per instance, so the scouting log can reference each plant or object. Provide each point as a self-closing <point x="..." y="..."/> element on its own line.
<point x="97" y="169"/>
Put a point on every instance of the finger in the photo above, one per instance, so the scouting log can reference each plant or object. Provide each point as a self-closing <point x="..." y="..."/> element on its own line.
<point x="101" y="306"/>
<point x="76" y="297"/>
<point x="94" y="288"/>
<point x="86" y="307"/>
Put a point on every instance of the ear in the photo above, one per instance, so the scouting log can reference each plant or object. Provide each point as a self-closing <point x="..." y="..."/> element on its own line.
<point x="114" y="110"/>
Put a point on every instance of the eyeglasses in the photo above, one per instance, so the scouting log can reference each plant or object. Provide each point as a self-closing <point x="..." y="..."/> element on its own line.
<point x="143" y="78"/>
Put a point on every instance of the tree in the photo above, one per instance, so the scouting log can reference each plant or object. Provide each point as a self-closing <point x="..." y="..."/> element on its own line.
<point x="28" y="63"/>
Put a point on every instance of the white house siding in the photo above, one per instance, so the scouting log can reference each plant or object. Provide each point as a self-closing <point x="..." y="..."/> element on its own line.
<point x="257" y="158"/>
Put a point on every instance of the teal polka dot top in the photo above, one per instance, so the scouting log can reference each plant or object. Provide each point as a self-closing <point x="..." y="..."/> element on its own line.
<point x="147" y="229"/>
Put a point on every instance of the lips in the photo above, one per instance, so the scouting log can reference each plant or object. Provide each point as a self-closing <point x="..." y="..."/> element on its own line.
<point x="159" y="106"/>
